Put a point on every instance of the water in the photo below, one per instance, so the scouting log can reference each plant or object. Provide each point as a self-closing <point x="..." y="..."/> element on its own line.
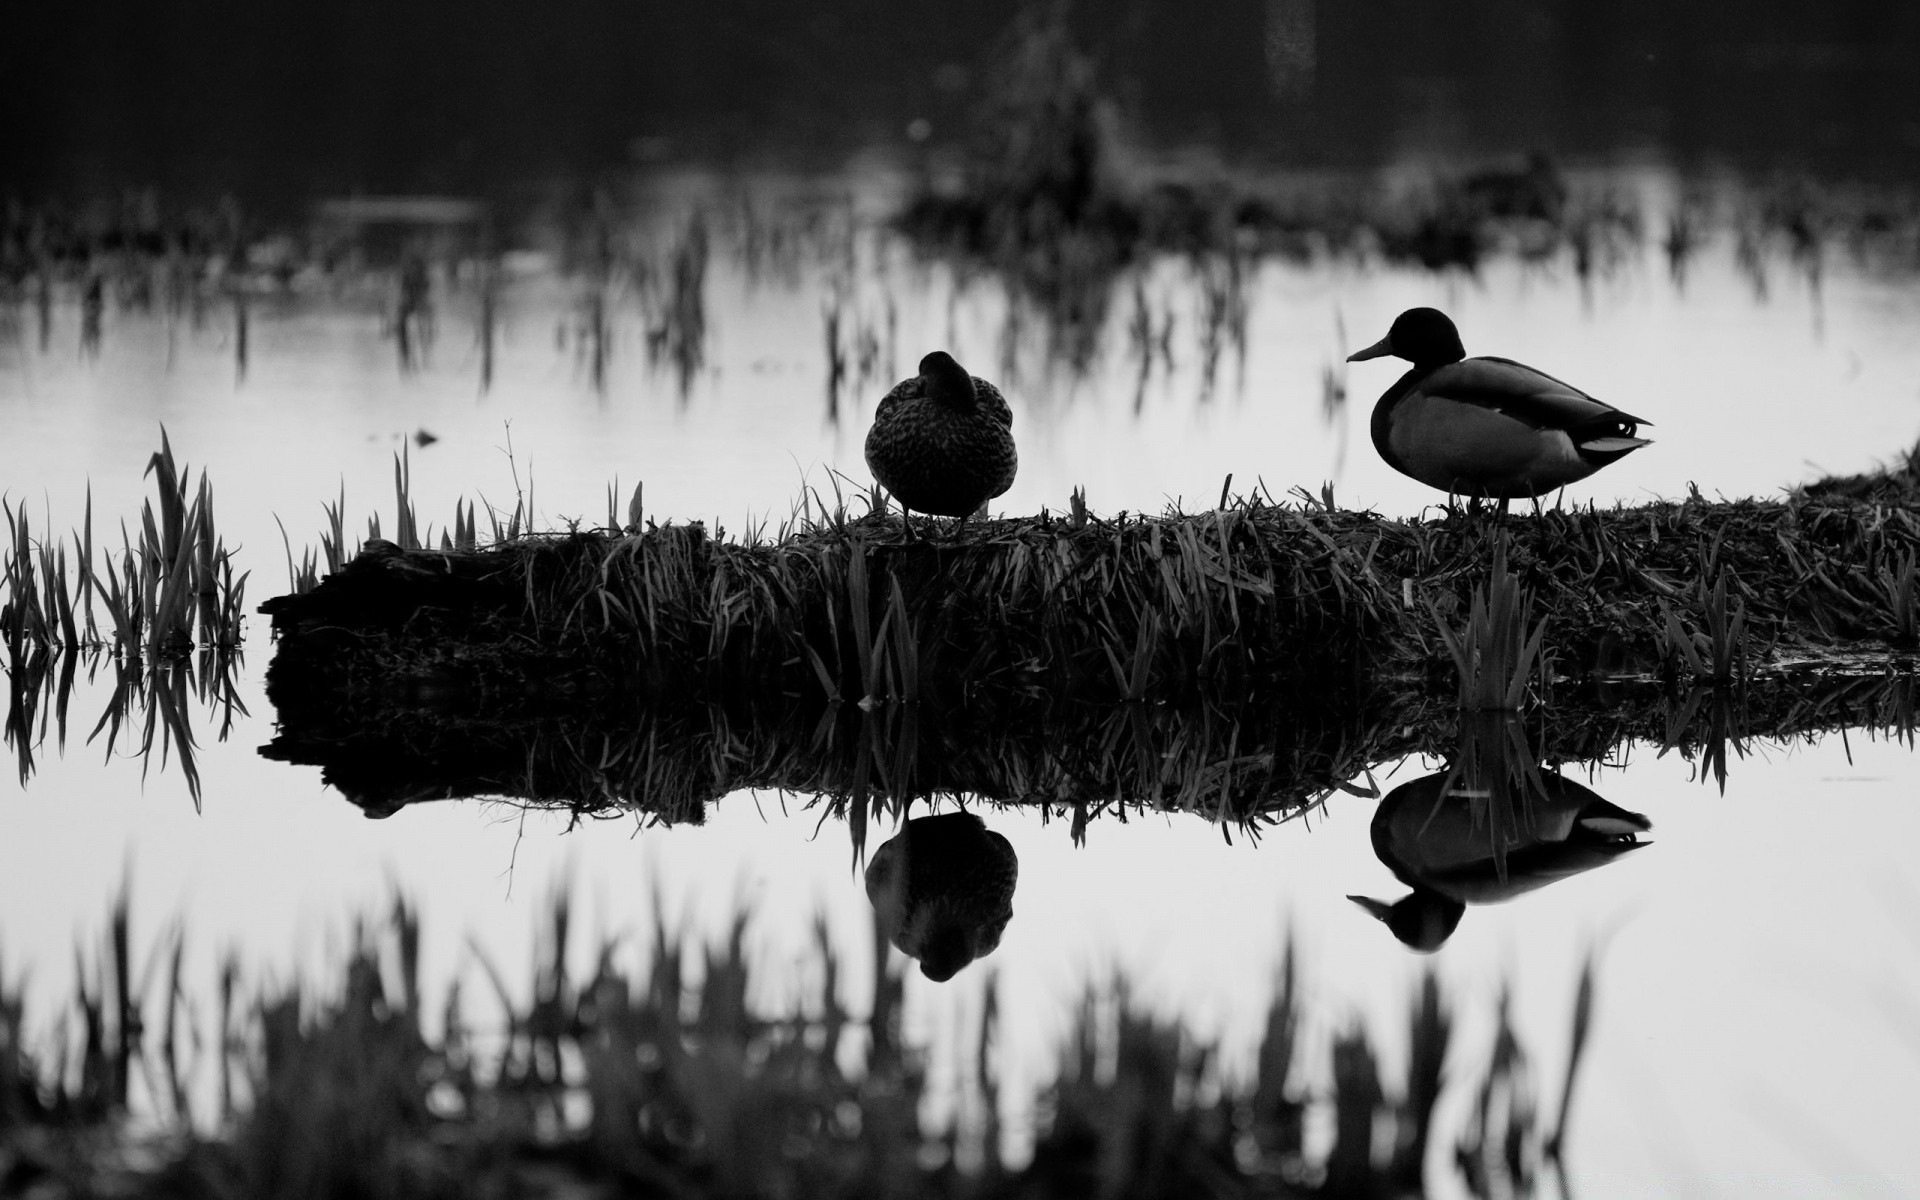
<point x="1756" y="974"/>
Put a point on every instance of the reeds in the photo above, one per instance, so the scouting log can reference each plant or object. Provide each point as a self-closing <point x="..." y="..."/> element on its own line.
<point x="165" y="615"/>
<point x="168" y="590"/>
<point x="1049" y="200"/>
<point x="633" y="1076"/>
<point x="152" y="708"/>
<point x="1495" y="652"/>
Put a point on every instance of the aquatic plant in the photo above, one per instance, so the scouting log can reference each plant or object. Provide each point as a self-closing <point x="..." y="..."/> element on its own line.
<point x="1717" y="652"/>
<point x="637" y="1077"/>
<point x="170" y="590"/>
<point x="152" y="708"/>
<point x="1495" y="652"/>
<point x="673" y="304"/>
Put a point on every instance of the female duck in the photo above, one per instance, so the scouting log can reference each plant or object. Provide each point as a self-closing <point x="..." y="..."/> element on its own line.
<point x="942" y="890"/>
<point x="1487" y="426"/>
<point x="942" y="442"/>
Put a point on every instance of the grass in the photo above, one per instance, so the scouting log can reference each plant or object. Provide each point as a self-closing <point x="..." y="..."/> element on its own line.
<point x="1495" y="652"/>
<point x="164" y="616"/>
<point x="1241" y="663"/>
<point x="634" y="1076"/>
<point x="1247" y="765"/>
<point x="1177" y="608"/>
<point x="151" y="711"/>
<point x="1049" y="199"/>
<point x="171" y="588"/>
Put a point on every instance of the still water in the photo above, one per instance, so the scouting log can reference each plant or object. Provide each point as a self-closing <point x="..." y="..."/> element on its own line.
<point x="1758" y="973"/>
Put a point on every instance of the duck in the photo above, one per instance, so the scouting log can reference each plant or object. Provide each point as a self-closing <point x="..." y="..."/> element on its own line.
<point x="942" y="891"/>
<point x="1487" y="427"/>
<point x="1457" y="842"/>
<point x="942" y="441"/>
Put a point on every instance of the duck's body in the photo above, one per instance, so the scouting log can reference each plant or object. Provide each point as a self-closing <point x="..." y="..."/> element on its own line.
<point x="943" y="890"/>
<point x="1487" y="427"/>
<point x="942" y="441"/>
<point x="1440" y="838"/>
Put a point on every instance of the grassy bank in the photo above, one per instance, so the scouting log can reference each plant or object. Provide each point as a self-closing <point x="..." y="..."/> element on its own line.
<point x="1246" y="765"/>
<point x="659" y="1074"/>
<point x="1183" y="609"/>
<point x="1239" y="664"/>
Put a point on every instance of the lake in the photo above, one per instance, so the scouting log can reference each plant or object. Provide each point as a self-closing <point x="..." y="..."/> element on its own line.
<point x="1756" y="966"/>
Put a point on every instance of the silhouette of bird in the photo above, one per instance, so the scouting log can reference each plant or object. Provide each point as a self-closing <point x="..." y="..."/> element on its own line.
<point x="1446" y="839"/>
<point x="943" y="890"/>
<point x="942" y="441"/>
<point x="1487" y="426"/>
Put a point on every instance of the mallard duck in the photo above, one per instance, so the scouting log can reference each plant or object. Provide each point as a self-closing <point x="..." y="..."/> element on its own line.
<point x="942" y="441"/>
<point x="943" y="890"/>
<point x="1455" y="844"/>
<point x="1487" y="426"/>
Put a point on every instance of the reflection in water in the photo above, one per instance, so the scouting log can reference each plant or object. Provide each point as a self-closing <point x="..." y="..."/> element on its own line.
<point x="1075" y="266"/>
<point x="1490" y="827"/>
<point x="662" y="1069"/>
<point x="942" y="891"/>
<point x="154" y="704"/>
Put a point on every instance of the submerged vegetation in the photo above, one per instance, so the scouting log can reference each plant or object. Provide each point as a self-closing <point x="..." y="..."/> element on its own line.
<point x="661" y="1070"/>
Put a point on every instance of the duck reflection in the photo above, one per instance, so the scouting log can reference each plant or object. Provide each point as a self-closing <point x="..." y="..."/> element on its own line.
<point x="942" y="889"/>
<point x="1491" y="827"/>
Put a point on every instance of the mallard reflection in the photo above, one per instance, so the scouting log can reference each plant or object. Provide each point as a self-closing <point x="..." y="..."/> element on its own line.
<point x="943" y="890"/>
<point x="1492" y="827"/>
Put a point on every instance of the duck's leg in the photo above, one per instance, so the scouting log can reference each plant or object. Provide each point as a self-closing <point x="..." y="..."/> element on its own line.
<point x="906" y="524"/>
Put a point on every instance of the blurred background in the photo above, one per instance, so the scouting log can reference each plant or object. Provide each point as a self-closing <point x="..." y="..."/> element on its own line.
<point x="279" y="102"/>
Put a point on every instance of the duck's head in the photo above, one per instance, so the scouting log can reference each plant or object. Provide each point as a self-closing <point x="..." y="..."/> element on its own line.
<point x="1424" y="337"/>
<point x="1423" y="920"/>
<point x="946" y="380"/>
<point x="947" y="950"/>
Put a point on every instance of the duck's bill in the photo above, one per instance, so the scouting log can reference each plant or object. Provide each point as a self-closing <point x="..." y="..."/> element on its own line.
<point x="1379" y="908"/>
<point x="1379" y="349"/>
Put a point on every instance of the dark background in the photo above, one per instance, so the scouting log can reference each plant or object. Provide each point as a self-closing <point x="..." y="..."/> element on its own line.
<point x="271" y="97"/>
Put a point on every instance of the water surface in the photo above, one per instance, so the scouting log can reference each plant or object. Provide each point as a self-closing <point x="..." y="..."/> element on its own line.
<point x="1757" y="969"/>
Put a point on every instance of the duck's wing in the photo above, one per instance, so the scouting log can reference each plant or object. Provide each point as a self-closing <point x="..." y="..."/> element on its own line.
<point x="1527" y="395"/>
<point x="1528" y="869"/>
<point x="907" y="389"/>
<point x="991" y="400"/>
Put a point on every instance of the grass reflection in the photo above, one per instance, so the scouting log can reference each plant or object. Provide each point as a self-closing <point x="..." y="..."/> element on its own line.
<point x="659" y="1070"/>
<point x="152" y="710"/>
<point x="1049" y="206"/>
